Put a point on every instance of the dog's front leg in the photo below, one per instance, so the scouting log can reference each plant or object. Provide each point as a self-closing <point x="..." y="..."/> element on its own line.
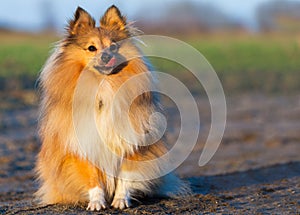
<point x="122" y="198"/>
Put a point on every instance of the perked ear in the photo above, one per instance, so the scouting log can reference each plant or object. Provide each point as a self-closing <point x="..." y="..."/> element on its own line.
<point x="113" y="19"/>
<point x="81" y="23"/>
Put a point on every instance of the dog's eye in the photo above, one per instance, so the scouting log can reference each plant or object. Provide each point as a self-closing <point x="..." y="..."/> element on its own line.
<point x="113" y="47"/>
<point x="92" y="48"/>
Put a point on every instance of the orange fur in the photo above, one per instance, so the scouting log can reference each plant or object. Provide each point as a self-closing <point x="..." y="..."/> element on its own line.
<point x="67" y="173"/>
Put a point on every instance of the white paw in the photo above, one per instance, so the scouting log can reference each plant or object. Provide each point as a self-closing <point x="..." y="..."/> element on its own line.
<point x="121" y="203"/>
<point x="96" y="205"/>
<point x="97" y="200"/>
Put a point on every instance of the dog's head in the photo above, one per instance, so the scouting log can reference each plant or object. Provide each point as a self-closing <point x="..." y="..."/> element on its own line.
<point x="107" y="47"/>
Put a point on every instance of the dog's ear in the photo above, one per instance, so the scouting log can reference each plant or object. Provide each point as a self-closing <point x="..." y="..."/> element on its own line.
<point x="113" y="19"/>
<point x="81" y="23"/>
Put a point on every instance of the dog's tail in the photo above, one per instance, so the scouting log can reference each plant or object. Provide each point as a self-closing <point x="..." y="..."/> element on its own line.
<point x="174" y="187"/>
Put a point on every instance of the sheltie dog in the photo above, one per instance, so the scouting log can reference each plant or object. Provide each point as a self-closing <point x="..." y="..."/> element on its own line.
<point x="90" y="153"/>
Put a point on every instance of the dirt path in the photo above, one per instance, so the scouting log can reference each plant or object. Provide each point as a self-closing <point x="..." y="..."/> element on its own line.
<point x="256" y="170"/>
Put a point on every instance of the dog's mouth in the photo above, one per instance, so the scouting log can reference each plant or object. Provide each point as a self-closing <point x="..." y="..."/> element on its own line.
<point x="113" y="66"/>
<point x="111" y="63"/>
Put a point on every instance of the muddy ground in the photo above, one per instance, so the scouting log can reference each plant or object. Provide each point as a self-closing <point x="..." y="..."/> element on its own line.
<point x="256" y="169"/>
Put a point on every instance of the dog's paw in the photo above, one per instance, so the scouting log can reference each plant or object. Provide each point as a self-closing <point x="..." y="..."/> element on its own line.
<point x="121" y="203"/>
<point x="96" y="205"/>
<point x="97" y="200"/>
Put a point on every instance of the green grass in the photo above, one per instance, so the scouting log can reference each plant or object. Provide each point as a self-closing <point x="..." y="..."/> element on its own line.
<point x="21" y="59"/>
<point x="268" y="63"/>
<point x="23" y="55"/>
<point x="262" y="64"/>
<point x="246" y="56"/>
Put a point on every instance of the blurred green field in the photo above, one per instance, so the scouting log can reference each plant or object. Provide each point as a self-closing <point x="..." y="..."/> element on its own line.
<point x="243" y="62"/>
<point x="262" y="63"/>
<point x="23" y="54"/>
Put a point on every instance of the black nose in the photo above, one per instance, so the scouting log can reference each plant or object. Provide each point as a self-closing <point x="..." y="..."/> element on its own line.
<point x="106" y="57"/>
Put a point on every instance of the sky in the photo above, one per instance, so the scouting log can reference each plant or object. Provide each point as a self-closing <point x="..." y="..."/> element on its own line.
<point x="27" y="15"/>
